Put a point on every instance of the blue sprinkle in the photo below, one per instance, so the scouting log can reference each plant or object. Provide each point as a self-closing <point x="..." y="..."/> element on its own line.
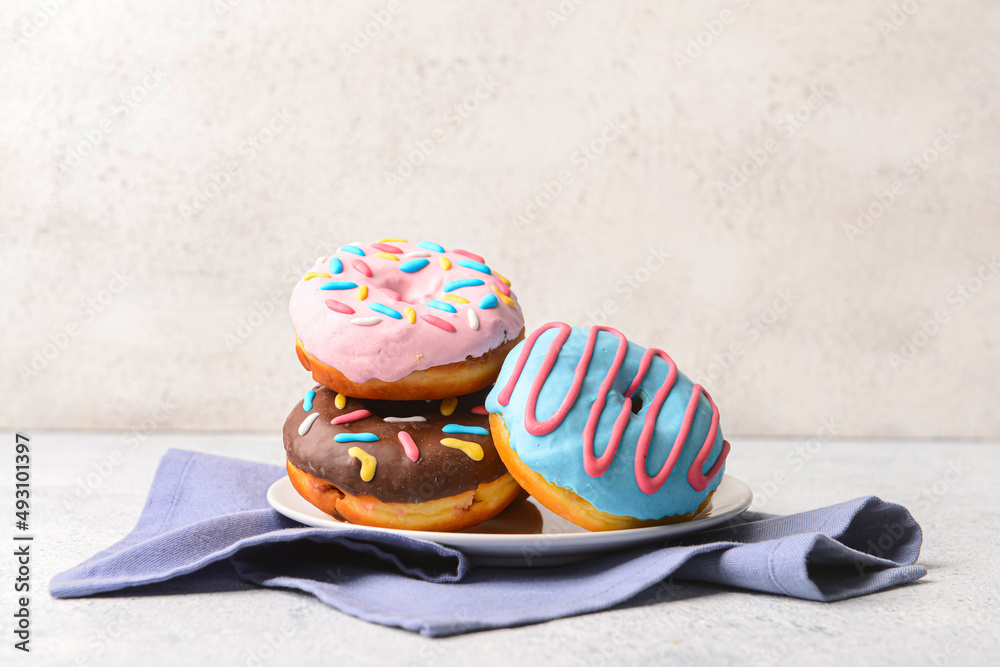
<point x="336" y="266"/>
<point x="441" y="305"/>
<point x="385" y="310"/>
<point x="489" y="301"/>
<point x="355" y="437"/>
<point x="427" y="245"/>
<point x="477" y="266"/>
<point x="336" y="285"/>
<point x="414" y="265"/>
<point x="453" y="285"/>
<point x="307" y="402"/>
<point x="353" y="248"/>
<point x="471" y="430"/>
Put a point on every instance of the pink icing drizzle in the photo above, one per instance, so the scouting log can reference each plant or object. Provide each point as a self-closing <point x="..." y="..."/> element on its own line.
<point x="409" y="447"/>
<point x="597" y="466"/>
<point x="357" y="415"/>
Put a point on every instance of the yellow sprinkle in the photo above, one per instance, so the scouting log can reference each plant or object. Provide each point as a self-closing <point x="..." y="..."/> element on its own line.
<point x="456" y="299"/>
<point x="314" y="274"/>
<point x="368" y="461"/>
<point x="474" y="451"/>
<point x="362" y="292"/>
<point x="393" y="241"/>
<point x="502" y="278"/>
<point x="385" y="255"/>
<point x="411" y="315"/>
<point x="445" y="263"/>
<point x="506" y="299"/>
<point x="340" y="401"/>
<point x="448" y="406"/>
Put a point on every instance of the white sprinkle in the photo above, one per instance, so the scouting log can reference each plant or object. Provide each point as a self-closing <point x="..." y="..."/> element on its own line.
<point x="355" y="243"/>
<point x="392" y="420"/>
<point x="307" y="423"/>
<point x="366" y="321"/>
<point x="473" y="320"/>
<point x="416" y="253"/>
<point x="321" y="260"/>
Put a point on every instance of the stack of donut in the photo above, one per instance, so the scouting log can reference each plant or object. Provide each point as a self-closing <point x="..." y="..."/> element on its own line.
<point x="407" y="430"/>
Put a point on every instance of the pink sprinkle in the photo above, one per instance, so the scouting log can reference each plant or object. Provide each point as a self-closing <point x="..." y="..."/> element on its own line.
<point x="339" y="307"/>
<point x="385" y="247"/>
<point x="357" y="415"/>
<point x="362" y="268"/>
<point x="479" y="410"/>
<point x="438" y="322"/>
<point x="502" y="286"/>
<point x="409" y="446"/>
<point x="471" y="255"/>
<point x="391" y="293"/>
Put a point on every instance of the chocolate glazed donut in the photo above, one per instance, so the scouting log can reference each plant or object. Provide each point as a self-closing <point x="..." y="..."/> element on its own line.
<point x="421" y="465"/>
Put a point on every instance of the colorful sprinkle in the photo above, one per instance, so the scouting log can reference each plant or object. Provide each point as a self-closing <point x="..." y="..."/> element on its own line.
<point x="385" y="255"/>
<point x="307" y="423"/>
<point x="362" y="293"/>
<point x="474" y="451"/>
<point x="393" y="241"/>
<point x="506" y="299"/>
<point x="409" y="446"/>
<point x="385" y="310"/>
<point x="307" y="400"/>
<point x="448" y="406"/>
<point x="411" y="315"/>
<point x="353" y="248"/>
<point x="336" y="266"/>
<point x="506" y="282"/>
<point x="340" y="401"/>
<point x="315" y="274"/>
<point x="438" y="322"/>
<point x="366" y="321"/>
<point x="479" y="410"/>
<point x="393" y="420"/>
<point x="385" y="247"/>
<point x="416" y="253"/>
<point x="489" y="301"/>
<point x="445" y="263"/>
<point x="429" y="245"/>
<point x="339" y="307"/>
<point x="441" y="305"/>
<point x="357" y="415"/>
<point x="368" y="462"/>
<point x="391" y="293"/>
<point x="475" y="266"/>
<point x="456" y="299"/>
<point x="355" y="437"/>
<point x="362" y="268"/>
<point x="503" y="288"/>
<point x="453" y="285"/>
<point x="337" y="285"/>
<point x="414" y="265"/>
<point x="467" y="430"/>
<point x="473" y="319"/>
<point x="470" y="255"/>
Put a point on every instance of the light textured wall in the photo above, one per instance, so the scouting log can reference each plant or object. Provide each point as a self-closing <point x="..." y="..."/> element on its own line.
<point x="168" y="170"/>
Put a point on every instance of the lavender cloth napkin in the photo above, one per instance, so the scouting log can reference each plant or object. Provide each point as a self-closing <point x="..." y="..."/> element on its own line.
<point x="207" y="526"/>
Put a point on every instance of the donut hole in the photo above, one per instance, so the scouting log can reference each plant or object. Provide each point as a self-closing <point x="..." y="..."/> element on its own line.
<point x="411" y="291"/>
<point x="639" y="399"/>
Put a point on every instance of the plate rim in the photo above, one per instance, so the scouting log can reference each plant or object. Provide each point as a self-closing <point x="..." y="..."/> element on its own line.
<point x="459" y="539"/>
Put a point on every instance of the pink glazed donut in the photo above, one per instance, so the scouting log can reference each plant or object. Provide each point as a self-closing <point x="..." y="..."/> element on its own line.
<point x="402" y="321"/>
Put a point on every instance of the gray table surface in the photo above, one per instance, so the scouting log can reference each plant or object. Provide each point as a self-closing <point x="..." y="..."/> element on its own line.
<point x="951" y="617"/>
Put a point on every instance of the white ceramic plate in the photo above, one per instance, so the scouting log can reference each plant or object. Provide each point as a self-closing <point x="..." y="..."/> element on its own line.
<point x="528" y="535"/>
